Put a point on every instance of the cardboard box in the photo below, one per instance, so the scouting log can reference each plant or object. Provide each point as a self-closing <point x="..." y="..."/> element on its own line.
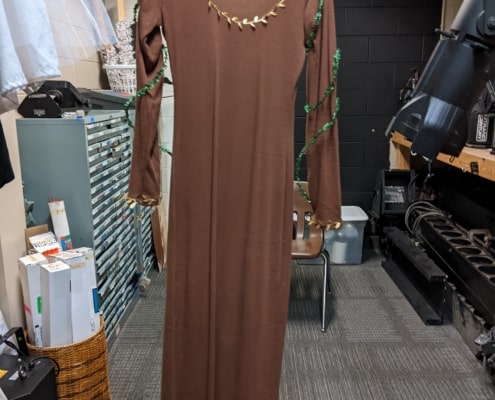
<point x="33" y="231"/>
<point x="55" y="292"/>
<point x="29" y="273"/>
<point x="345" y="245"/>
<point x="60" y="223"/>
<point x="84" y="309"/>
<point x="90" y="283"/>
<point x="45" y="243"/>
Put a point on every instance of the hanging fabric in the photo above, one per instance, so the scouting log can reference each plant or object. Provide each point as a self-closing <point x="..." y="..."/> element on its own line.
<point x="27" y="48"/>
<point x="235" y="67"/>
<point x="38" y="36"/>
<point x="79" y="27"/>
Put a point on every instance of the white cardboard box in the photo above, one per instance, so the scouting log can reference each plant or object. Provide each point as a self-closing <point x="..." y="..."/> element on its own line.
<point x="56" y="315"/>
<point x="29" y="273"/>
<point x="85" y="319"/>
<point x="45" y="243"/>
<point x="92" y="288"/>
<point x="60" y="223"/>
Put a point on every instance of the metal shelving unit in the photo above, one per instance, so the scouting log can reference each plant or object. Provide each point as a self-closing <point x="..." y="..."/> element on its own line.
<point x="86" y="162"/>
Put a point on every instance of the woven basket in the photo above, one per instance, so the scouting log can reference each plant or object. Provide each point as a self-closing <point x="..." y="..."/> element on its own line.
<point x="83" y="367"/>
<point x="122" y="78"/>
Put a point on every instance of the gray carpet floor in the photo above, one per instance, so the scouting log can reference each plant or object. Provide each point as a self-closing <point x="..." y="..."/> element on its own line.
<point x="376" y="347"/>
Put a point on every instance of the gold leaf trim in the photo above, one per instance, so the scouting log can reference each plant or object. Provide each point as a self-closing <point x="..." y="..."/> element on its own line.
<point x="241" y="22"/>
<point x="326" y="225"/>
<point x="143" y="200"/>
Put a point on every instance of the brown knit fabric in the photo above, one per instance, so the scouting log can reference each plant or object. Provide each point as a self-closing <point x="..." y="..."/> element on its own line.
<point x="229" y="249"/>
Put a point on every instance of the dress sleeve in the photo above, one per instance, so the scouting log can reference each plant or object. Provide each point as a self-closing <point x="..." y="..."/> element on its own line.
<point x="323" y="156"/>
<point x="144" y="183"/>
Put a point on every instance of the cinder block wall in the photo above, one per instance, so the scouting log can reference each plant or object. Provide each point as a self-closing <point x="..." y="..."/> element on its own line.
<point x="381" y="41"/>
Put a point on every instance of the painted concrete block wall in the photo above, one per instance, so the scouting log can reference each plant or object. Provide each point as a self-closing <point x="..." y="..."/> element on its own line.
<point x="381" y="41"/>
<point x="85" y="72"/>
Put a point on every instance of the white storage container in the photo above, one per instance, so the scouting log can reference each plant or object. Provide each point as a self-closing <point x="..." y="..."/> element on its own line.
<point x="345" y="245"/>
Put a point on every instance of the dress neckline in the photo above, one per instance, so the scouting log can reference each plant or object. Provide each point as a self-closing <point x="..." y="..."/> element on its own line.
<point x="246" y="21"/>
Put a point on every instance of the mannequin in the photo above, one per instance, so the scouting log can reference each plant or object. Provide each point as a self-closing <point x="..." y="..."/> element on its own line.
<point x="235" y="67"/>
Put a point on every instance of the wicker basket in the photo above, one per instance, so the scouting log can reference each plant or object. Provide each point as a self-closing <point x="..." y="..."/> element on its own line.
<point x="122" y="78"/>
<point x="83" y="367"/>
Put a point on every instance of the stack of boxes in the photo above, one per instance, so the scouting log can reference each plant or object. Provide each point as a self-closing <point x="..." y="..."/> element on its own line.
<point x="60" y="297"/>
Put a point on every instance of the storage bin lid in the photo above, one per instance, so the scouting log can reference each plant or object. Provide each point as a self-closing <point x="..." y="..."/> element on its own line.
<point x="353" y="213"/>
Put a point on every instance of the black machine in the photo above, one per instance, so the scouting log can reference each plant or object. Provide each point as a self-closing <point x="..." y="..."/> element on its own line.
<point x="444" y="268"/>
<point x="30" y="378"/>
<point x="53" y="99"/>
<point x="435" y="118"/>
<point x="23" y="377"/>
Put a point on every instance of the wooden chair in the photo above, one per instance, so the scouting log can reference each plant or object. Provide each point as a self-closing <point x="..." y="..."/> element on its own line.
<point x="308" y="241"/>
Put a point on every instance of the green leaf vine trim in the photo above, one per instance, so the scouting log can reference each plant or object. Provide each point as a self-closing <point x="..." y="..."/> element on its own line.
<point x="145" y="89"/>
<point x="141" y="92"/>
<point x="311" y="38"/>
<point x="307" y="107"/>
<point x="331" y="88"/>
<point x="135" y="13"/>
<point x="328" y="125"/>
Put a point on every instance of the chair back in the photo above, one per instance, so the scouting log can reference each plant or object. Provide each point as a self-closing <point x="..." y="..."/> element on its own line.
<point x="307" y="240"/>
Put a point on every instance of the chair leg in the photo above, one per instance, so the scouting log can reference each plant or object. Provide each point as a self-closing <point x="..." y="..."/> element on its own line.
<point x="327" y="257"/>
<point x="325" y="290"/>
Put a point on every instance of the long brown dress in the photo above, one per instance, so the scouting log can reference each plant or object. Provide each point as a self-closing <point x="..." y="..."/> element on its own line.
<point x="229" y="249"/>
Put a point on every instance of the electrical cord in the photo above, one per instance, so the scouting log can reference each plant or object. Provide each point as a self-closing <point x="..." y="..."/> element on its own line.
<point x="20" y="354"/>
<point x="32" y="363"/>
<point x="421" y="217"/>
<point x="22" y="371"/>
<point x="425" y="209"/>
<point x="409" y="190"/>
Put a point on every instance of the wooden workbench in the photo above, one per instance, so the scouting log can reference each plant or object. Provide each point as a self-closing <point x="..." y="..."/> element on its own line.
<point x="476" y="161"/>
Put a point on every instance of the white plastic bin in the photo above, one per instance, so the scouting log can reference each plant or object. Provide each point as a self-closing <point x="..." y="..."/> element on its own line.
<point x="345" y="245"/>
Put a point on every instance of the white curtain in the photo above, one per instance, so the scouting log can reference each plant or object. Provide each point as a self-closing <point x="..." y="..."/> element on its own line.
<point x="79" y="26"/>
<point x="36" y="36"/>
